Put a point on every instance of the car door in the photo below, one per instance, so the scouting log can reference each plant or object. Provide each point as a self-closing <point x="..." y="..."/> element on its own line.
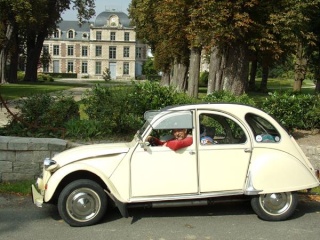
<point x="223" y="164"/>
<point x="158" y="170"/>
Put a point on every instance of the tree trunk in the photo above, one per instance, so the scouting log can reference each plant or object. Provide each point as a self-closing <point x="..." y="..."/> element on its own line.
<point x="4" y="53"/>
<point x="229" y="71"/>
<point x="253" y="72"/>
<point x="193" y="81"/>
<point x="165" y="79"/>
<point x="216" y="68"/>
<point x="300" y="68"/>
<point x="236" y="74"/>
<point x="179" y="78"/>
<point x="34" y="47"/>
<point x="265" y="75"/>
<point x="14" y="60"/>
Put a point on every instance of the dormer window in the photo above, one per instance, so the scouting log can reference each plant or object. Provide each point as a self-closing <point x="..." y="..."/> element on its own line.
<point x="70" y="34"/>
<point x="113" y="21"/>
<point x="56" y="34"/>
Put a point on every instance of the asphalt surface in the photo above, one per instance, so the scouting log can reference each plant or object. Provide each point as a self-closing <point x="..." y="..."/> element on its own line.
<point x="20" y="219"/>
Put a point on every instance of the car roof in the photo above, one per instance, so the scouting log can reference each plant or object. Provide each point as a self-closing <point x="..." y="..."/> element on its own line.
<point x="224" y="107"/>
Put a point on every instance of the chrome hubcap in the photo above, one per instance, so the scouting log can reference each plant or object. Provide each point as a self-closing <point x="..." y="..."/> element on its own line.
<point x="276" y="203"/>
<point x="83" y="204"/>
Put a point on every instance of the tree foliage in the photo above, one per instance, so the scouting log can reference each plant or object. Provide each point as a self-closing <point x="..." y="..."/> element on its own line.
<point x="31" y="22"/>
<point x="232" y="32"/>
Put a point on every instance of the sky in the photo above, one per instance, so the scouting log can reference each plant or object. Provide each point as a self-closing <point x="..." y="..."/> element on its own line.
<point x="101" y="5"/>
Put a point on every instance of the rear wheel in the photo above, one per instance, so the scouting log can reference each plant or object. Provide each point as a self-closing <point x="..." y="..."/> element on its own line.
<point x="82" y="203"/>
<point x="275" y="206"/>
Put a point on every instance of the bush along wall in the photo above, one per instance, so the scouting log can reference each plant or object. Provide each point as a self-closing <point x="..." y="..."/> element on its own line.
<point x="294" y="110"/>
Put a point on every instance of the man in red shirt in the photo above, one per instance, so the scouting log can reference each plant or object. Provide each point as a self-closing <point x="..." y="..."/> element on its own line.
<point x="181" y="140"/>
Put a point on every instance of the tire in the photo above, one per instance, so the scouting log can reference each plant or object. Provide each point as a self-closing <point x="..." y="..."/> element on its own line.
<point x="275" y="206"/>
<point x="82" y="203"/>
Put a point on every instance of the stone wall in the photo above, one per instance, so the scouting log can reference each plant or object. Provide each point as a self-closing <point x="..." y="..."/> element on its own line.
<point x="22" y="158"/>
<point x="313" y="153"/>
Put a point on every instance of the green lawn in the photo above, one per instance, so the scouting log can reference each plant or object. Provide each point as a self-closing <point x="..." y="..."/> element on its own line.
<point x="18" y="90"/>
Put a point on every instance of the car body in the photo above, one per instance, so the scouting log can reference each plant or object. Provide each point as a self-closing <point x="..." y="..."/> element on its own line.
<point x="251" y="155"/>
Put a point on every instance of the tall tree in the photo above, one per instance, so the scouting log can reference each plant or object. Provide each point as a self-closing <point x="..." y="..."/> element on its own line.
<point x="34" y="20"/>
<point x="46" y="15"/>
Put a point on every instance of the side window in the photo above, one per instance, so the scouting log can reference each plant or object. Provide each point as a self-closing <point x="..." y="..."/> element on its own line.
<point x="262" y="129"/>
<point x="218" y="129"/>
<point x="164" y="126"/>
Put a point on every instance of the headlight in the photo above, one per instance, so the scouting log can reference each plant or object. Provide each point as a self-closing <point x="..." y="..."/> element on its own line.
<point x="49" y="164"/>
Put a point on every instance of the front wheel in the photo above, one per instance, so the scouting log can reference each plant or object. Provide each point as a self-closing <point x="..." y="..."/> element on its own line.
<point x="82" y="203"/>
<point x="275" y="206"/>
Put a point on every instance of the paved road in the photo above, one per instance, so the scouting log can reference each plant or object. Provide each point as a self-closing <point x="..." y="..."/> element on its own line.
<point x="19" y="219"/>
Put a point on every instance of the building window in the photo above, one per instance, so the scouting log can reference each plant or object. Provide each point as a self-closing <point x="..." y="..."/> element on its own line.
<point x="125" y="51"/>
<point x="98" y="51"/>
<point x="56" y="50"/>
<point x="56" y="34"/>
<point x="112" y="52"/>
<point x="70" y="50"/>
<point x="112" y="36"/>
<point x="98" y="35"/>
<point x="85" y="35"/>
<point x="45" y="58"/>
<point x="56" y="66"/>
<point x="70" y="34"/>
<point x="125" y="68"/>
<point x="84" y="51"/>
<point x="84" y="67"/>
<point x="126" y="36"/>
<point x="138" y="52"/>
<point x="70" y="67"/>
<point x="98" y="67"/>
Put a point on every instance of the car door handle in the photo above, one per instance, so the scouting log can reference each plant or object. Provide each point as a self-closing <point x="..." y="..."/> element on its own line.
<point x="248" y="150"/>
<point x="191" y="152"/>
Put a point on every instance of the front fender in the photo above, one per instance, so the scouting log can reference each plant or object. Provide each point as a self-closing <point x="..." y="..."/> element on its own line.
<point x="60" y="174"/>
<point x="278" y="171"/>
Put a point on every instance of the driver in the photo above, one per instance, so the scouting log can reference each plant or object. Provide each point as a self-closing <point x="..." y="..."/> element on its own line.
<point x="181" y="139"/>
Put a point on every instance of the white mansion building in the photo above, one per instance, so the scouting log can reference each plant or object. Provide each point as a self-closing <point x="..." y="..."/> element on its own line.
<point x="88" y="49"/>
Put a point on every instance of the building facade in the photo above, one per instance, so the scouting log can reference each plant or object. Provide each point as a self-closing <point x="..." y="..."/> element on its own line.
<point x="90" y="48"/>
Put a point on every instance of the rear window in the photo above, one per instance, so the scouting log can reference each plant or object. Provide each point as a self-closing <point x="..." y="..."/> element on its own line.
<point x="262" y="129"/>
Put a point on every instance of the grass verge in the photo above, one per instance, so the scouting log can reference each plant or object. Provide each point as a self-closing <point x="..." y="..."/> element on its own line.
<point x="16" y="187"/>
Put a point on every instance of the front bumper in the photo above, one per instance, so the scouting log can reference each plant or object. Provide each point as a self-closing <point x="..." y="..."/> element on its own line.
<point x="37" y="198"/>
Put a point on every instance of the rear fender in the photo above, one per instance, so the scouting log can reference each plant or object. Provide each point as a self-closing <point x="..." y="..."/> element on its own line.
<point x="279" y="171"/>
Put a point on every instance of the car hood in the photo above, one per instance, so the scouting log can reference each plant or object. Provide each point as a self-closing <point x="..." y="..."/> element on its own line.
<point x="90" y="151"/>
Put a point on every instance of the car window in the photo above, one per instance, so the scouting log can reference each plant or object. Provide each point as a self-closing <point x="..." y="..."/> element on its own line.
<point x="262" y="129"/>
<point x="171" y="119"/>
<point x="167" y="121"/>
<point x="218" y="129"/>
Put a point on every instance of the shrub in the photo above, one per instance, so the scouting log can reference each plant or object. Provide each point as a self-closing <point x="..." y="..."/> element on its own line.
<point x="121" y="109"/>
<point x="228" y="97"/>
<point x="151" y="95"/>
<point x="294" y="110"/>
<point x="42" y="115"/>
<point x="45" y="77"/>
<point x="111" y="107"/>
<point x="86" y="129"/>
